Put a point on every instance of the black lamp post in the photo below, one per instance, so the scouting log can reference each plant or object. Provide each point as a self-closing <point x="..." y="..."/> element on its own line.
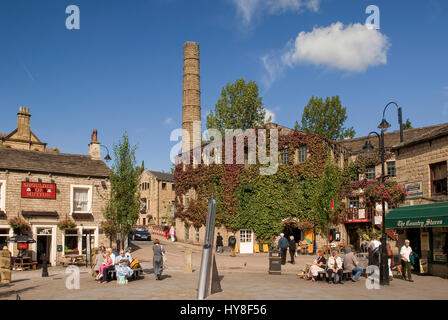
<point x="107" y="157"/>
<point x="383" y="126"/>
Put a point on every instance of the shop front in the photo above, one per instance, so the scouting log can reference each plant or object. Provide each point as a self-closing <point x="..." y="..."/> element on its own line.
<point x="426" y="226"/>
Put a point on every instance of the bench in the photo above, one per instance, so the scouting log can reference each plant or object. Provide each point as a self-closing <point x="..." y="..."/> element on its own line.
<point x="25" y="265"/>
<point x="135" y="276"/>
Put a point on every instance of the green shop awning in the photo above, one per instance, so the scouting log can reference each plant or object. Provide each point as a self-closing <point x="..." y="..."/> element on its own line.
<point x="427" y="215"/>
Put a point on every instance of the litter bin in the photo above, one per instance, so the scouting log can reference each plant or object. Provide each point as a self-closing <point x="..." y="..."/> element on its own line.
<point x="275" y="265"/>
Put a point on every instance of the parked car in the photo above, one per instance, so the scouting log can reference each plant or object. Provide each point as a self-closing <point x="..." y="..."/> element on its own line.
<point x="140" y="234"/>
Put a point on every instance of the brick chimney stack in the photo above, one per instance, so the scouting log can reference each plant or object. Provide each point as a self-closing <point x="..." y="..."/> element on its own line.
<point x="94" y="146"/>
<point x="23" y="124"/>
<point x="191" y="99"/>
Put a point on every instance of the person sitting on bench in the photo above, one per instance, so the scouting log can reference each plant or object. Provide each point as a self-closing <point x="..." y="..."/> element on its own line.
<point x="335" y="267"/>
<point x="317" y="266"/>
<point x="351" y="264"/>
<point x="107" y="266"/>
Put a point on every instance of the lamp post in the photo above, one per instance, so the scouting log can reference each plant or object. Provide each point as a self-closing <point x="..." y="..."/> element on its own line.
<point x="383" y="126"/>
<point x="107" y="158"/>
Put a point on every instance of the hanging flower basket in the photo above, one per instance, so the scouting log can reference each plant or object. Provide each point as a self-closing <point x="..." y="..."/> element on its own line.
<point x="19" y="225"/>
<point x="67" y="224"/>
<point x="392" y="193"/>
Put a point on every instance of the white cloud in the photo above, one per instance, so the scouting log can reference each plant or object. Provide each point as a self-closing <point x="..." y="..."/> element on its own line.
<point x="353" y="48"/>
<point x="248" y="8"/>
<point x="169" y="121"/>
<point x="269" y="113"/>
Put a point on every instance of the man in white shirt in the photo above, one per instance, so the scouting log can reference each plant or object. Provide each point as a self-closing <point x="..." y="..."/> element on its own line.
<point x="405" y="253"/>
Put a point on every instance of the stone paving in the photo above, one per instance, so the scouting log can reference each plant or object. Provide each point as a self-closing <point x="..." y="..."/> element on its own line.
<point x="242" y="277"/>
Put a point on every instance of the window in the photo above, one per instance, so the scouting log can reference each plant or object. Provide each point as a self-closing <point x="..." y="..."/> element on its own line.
<point x="196" y="234"/>
<point x="71" y="241"/>
<point x="245" y="236"/>
<point x="370" y="174"/>
<point x="187" y="198"/>
<point x="284" y="156"/>
<point x="439" y="244"/>
<point x="173" y="187"/>
<point x="353" y="202"/>
<point x="2" y="195"/>
<point x="302" y="154"/>
<point x="438" y="178"/>
<point x="143" y="205"/>
<point x="4" y="234"/>
<point x="85" y="232"/>
<point x="187" y="233"/>
<point x="81" y="199"/>
<point x="163" y="186"/>
<point x="391" y="170"/>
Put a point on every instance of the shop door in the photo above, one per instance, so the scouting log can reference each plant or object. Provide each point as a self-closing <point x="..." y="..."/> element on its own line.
<point x="246" y="241"/>
<point x="43" y="244"/>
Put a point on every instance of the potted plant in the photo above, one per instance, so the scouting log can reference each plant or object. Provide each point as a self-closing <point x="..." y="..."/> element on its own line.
<point x="19" y="225"/>
<point x="67" y="224"/>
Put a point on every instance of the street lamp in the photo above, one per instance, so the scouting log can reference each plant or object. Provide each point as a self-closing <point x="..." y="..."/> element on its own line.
<point x="383" y="126"/>
<point x="107" y="157"/>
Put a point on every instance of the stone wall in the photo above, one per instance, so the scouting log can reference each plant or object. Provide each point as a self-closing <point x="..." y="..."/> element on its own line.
<point x="15" y="204"/>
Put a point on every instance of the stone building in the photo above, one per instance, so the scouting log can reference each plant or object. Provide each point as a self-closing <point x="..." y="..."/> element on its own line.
<point x="157" y="198"/>
<point x="45" y="187"/>
<point x="191" y="142"/>
<point x="420" y="164"/>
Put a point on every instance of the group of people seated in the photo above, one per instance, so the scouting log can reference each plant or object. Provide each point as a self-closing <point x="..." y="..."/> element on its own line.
<point x="109" y="259"/>
<point x="335" y="266"/>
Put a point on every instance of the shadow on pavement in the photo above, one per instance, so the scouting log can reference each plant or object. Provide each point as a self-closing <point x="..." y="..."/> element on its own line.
<point x="12" y="292"/>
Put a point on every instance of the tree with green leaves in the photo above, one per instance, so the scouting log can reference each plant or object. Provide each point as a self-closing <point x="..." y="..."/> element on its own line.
<point x="325" y="192"/>
<point x="325" y="119"/>
<point x="407" y="125"/>
<point x="123" y="208"/>
<point x="240" y="107"/>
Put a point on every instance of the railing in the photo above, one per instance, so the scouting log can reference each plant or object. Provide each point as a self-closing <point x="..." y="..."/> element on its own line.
<point x="353" y="215"/>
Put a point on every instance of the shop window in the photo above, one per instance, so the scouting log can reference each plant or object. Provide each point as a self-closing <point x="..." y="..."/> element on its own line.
<point x="353" y="202"/>
<point x="284" y="156"/>
<point x="71" y="241"/>
<point x="370" y="174"/>
<point x="302" y="154"/>
<point x="391" y="170"/>
<point x="85" y="243"/>
<point x="196" y="234"/>
<point x="81" y="199"/>
<point x="2" y="195"/>
<point x="187" y="233"/>
<point x="438" y="178"/>
<point x="4" y="234"/>
<point x="439" y="244"/>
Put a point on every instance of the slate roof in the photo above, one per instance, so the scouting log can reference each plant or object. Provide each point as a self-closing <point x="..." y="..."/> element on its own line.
<point x="50" y="162"/>
<point x="392" y="139"/>
<point x="163" y="176"/>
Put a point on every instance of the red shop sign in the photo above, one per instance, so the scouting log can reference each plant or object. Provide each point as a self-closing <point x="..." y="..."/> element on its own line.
<point x="22" y="246"/>
<point x="38" y="190"/>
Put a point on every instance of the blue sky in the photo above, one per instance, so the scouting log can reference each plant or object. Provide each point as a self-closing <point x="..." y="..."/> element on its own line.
<point x="123" y="69"/>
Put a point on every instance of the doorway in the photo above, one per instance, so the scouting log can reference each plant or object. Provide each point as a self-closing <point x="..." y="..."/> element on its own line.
<point x="43" y="248"/>
<point x="413" y="235"/>
<point x="293" y="231"/>
<point x="246" y="241"/>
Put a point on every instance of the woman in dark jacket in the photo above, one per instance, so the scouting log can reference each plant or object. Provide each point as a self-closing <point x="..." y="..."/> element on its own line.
<point x="157" y="260"/>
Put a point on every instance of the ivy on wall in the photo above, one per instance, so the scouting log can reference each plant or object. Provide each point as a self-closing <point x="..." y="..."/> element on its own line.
<point x="248" y="200"/>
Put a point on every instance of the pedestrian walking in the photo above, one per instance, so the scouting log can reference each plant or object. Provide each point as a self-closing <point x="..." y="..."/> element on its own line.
<point x="405" y="253"/>
<point x="390" y="261"/>
<point x="219" y="243"/>
<point x="292" y="248"/>
<point x="232" y="243"/>
<point x="165" y="231"/>
<point x="283" y="246"/>
<point x="172" y="232"/>
<point x="159" y="253"/>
